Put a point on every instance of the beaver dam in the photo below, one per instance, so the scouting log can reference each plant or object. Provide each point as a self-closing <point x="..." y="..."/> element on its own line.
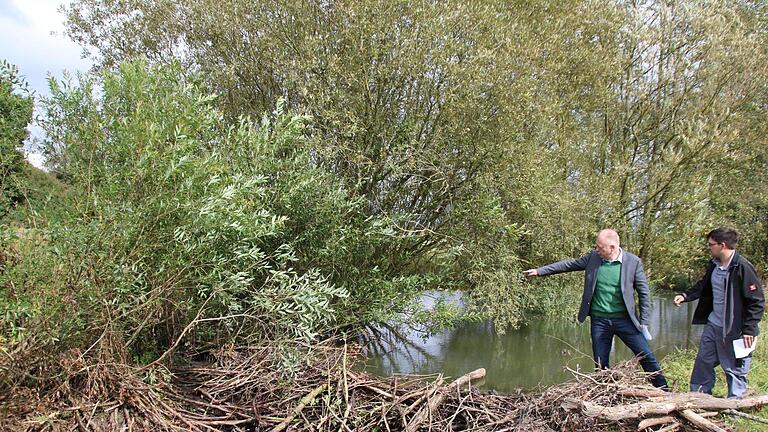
<point x="252" y="389"/>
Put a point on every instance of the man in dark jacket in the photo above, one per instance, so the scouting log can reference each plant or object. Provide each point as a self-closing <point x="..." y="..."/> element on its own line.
<point x="731" y="304"/>
<point x="612" y="277"/>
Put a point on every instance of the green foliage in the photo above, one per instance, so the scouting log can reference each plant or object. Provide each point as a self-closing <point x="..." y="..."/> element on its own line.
<point x="647" y="117"/>
<point x="45" y="198"/>
<point x="676" y="120"/>
<point x="15" y="115"/>
<point x="25" y="266"/>
<point x="181" y="221"/>
<point x="400" y="115"/>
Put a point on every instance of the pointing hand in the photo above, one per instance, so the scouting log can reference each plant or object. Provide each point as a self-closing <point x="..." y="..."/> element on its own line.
<point x="531" y="272"/>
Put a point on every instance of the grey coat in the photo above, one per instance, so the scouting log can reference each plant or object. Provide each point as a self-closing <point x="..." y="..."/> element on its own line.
<point x="633" y="281"/>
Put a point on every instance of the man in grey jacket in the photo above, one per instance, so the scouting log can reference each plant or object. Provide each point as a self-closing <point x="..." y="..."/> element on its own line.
<point x="612" y="276"/>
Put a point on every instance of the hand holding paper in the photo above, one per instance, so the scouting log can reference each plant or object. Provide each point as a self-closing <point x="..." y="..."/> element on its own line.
<point x="748" y="340"/>
<point x="741" y="349"/>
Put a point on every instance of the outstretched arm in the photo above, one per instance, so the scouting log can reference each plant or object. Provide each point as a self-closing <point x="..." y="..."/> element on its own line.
<point x="563" y="266"/>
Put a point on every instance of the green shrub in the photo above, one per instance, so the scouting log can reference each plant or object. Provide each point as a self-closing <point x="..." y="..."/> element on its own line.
<point x="15" y="115"/>
<point x="182" y="225"/>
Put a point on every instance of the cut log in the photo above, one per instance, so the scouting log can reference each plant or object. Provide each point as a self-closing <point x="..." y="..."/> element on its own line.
<point x="700" y="422"/>
<point x="427" y="411"/>
<point x="660" y="407"/>
<point x="645" y="424"/>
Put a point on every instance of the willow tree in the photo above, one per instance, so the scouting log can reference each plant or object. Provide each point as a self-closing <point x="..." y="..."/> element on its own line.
<point x="674" y="116"/>
<point x="484" y="133"/>
<point x="15" y="115"/>
<point x="392" y="87"/>
<point x="424" y="109"/>
<point x="746" y="204"/>
<point x="689" y="71"/>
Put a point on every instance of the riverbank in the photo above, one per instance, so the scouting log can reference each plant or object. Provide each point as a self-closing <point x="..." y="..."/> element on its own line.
<point x="310" y="388"/>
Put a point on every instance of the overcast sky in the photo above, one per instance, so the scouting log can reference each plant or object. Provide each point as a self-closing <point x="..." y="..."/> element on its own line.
<point x="32" y="37"/>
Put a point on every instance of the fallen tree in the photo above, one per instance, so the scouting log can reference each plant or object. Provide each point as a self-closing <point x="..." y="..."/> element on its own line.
<point x="664" y="404"/>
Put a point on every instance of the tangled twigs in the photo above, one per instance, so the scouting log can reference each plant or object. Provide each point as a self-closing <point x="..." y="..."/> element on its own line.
<point x="315" y="388"/>
<point x="426" y="412"/>
<point x="304" y="401"/>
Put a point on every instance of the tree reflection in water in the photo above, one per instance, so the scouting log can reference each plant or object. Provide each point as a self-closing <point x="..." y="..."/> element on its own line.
<point x="533" y="356"/>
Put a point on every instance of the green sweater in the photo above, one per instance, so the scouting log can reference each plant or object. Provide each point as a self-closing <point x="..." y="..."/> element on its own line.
<point x="607" y="301"/>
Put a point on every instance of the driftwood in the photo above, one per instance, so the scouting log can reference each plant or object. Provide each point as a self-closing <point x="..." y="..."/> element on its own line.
<point x="700" y="421"/>
<point x="645" y="424"/>
<point x="663" y="406"/>
<point x="242" y="389"/>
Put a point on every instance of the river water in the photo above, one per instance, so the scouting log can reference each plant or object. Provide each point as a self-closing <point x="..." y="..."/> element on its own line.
<point x="533" y="356"/>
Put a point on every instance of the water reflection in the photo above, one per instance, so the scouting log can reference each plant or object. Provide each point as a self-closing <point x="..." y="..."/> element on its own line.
<point x="536" y="355"/>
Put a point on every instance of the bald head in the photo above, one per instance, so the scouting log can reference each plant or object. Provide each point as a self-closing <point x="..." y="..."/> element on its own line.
<point x="607" y="244"/>
<point x="609" y="236"/>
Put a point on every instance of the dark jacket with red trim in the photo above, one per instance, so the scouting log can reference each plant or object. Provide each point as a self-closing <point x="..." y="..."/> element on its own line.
<point x="744" y="298"/>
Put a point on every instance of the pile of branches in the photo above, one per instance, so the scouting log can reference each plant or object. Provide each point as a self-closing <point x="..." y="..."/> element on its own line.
<point x="314" y="388"/>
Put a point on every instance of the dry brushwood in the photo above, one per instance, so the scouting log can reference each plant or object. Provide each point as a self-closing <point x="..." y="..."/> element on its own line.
<point x="256" y="389"/>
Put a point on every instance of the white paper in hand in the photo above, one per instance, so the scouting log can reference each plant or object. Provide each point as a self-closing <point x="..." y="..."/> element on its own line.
<point x="742" y="351"/>
<point x="646" y="333"/>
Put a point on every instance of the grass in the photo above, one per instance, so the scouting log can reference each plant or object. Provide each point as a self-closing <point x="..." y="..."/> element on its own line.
<point x="679" y="364"/>
<point x="45" y="198"/>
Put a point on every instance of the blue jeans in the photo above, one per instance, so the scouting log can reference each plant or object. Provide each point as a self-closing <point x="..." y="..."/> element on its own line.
<point x="603" y="330"/>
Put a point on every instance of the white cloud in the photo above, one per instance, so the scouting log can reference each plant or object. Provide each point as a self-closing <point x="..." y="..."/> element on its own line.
<point x="32" y="38"/>
<point x="7" y="8"/>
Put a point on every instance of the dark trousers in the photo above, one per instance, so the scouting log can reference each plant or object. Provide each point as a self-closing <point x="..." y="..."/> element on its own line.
<point x="603" y="330"/>
<point x="713" y="351"/>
